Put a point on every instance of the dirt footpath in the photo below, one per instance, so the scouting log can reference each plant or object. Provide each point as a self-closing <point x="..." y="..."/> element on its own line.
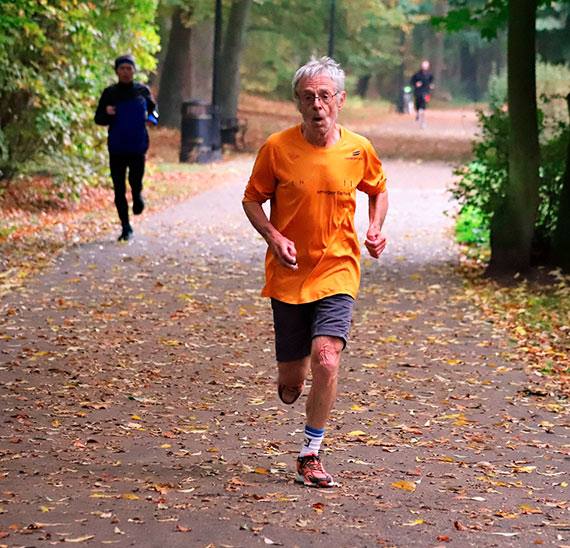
<point x="139" y="403"/>
<point x="448" y="135"/>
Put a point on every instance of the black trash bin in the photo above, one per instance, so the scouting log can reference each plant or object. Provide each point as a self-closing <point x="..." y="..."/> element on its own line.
<point x="229" y="127"/>
<point x="200" y="139"/>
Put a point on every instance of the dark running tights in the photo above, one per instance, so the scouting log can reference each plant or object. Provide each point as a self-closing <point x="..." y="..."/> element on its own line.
<point x="119" y="164"/>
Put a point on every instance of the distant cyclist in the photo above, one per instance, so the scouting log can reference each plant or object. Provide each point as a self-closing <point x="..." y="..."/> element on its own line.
<point x="422" y="84"/>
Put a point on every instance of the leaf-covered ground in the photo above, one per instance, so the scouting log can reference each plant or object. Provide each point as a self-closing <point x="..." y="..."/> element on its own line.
<point x="139" y="403"/>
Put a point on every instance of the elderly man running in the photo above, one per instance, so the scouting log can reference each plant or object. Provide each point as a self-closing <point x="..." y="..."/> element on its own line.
<point x="310" y="173"/>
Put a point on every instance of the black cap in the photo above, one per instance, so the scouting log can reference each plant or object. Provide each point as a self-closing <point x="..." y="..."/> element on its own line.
<point x="124" y="59"/>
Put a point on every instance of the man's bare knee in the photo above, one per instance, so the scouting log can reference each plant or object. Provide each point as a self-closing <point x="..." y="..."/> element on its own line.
<point x="328" y="356"/>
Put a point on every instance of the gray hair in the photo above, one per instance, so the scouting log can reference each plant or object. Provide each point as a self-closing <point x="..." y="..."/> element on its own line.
<point x="316" y="67"/>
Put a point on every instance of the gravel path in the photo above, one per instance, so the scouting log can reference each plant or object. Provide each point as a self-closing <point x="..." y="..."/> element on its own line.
<point x="140" y="410"/>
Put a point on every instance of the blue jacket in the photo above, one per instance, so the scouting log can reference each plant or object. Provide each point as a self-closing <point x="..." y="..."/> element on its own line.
<point x="134" y="105"/>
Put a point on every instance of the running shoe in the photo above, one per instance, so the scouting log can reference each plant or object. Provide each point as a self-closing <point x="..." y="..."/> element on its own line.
<point x="126" y="234"/>
<point x="290" y="394"/>
<point x="310" y="472"/>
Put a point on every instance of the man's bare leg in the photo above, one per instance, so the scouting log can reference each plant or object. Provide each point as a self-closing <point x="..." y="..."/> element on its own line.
<point x="291" y="378"/>
<point x="325" y="361"/>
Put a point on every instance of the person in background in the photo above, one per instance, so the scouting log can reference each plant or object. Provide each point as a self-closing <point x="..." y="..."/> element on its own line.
<point x="126" y="107"/>
<point x="422" y="84"/>
<point x="311" y="173"/>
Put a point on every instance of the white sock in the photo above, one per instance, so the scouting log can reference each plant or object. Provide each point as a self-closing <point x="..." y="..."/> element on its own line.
<point x="313" y="440"/>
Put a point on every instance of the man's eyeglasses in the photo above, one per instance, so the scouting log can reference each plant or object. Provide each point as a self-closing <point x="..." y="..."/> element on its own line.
<point x="324" y="97"/>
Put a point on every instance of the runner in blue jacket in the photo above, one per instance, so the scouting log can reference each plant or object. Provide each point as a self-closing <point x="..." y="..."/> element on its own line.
<point x="126" y="107"/>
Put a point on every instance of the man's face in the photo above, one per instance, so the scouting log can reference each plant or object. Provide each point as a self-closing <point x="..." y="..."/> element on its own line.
<point x="126" y="73"/>
<point x="425" y="66"/>
<point x="318" y="116"/>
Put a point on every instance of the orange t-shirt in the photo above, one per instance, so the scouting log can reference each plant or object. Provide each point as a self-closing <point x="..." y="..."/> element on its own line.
<point x="313" y="199"/>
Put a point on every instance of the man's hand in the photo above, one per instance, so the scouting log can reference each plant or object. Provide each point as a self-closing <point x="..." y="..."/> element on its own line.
<point x="375" y="242"/>
<point x="282" y="248"/>
<point x="110" y="110"/>
<point x="284" y="251"/>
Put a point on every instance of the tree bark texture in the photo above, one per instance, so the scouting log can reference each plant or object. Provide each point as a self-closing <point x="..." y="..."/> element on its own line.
<point x="362" y="85"/>
<point x="202" y="51"/>
<point x="561" y="240"/>
<point x="175" y="76"/>
<point x="230" y="63"/>
<point x="513" y="222"/>
<point x="438" y="64"/>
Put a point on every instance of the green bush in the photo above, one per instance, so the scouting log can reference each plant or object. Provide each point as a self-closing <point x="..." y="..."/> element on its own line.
<point x="55" y="58"/>
<point x="471" y="227"/>
<point x="551" y="89"/>
<point x="482" y="182"/>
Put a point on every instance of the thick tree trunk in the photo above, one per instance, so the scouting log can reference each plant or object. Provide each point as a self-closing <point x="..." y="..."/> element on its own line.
<point x="513" y="222"/>
<point x="561" y="240"/>
<point x="230" y="62"/>
<point x="441" y="9"/>
<point x="164" y="27"/>
<point x="175" y="72"/>
<point x="362" y="85"/>
<point x="469" y="67"/>
<point x="202" y="51"/>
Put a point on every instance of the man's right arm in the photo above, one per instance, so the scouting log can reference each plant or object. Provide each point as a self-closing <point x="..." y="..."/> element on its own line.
<point x="282" y="248"/>
<point x="102" y="118"/>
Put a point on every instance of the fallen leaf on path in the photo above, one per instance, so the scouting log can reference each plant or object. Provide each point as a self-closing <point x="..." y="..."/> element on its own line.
<point x="269" y="541"/>
<point x="412" y="523"/>
<point x="405" y="485"/>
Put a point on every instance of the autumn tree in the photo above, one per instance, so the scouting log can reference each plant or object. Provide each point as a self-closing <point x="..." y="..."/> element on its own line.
<point x="513" y="218"/>
<point x="230" y="63"/>
<point x="512" y="225"/>
<point x="186" y="67"/>
<point x="175" y="71"/>
<point x="561" y="240"/>
<point x="187" y="63"/>
<point x="55" y="57"/>
<point x="279" y="40"/>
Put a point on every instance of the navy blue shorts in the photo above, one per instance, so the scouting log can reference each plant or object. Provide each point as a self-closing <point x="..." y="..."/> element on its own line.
<point x="297" y="324"/>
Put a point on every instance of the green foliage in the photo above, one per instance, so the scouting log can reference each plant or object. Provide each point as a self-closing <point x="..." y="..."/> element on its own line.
<point x="551" y="89"/>
<point x="55" y="57"/>
<point x="471" y="227"/>
<point x="482" y="182"/>
<point x="280" y="40"/>
<point x="488" y="17"/>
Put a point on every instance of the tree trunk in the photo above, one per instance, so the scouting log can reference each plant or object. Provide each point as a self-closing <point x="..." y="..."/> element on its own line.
<point x="230" y="63"/>
<point x="513" y="222"/>
<point x="164" y="27"/>
<point x="561" y="240"/>
<point x="441" y="9"/>
<point x="175" y="73"/>
<point x="202" y="52"/>
<point x="362" y="85"/>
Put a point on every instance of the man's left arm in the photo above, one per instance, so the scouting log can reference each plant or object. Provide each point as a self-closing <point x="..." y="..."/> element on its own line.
<point x="152" y="112"/>
<point x="375" y="239"/>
